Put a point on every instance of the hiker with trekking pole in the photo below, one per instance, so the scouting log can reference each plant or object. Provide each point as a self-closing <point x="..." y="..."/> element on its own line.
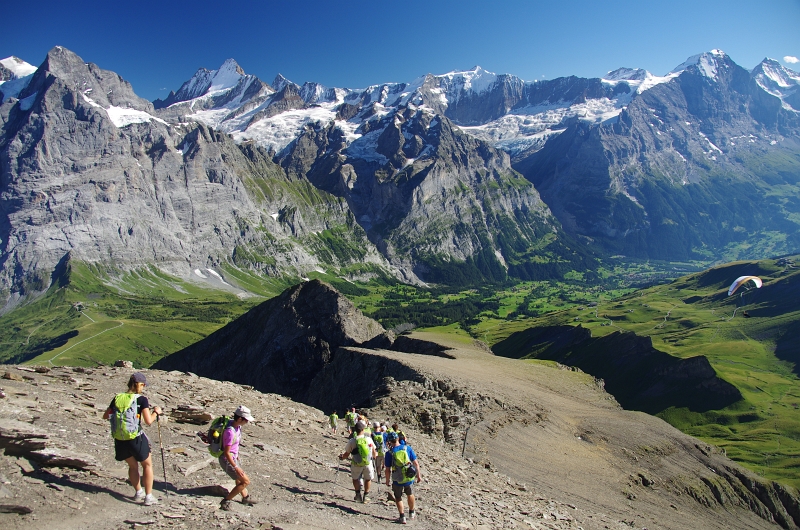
<point x="126" y="413"/>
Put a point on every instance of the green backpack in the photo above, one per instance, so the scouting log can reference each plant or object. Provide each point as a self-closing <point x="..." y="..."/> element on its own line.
<point x="401" y="462"/>
<point x="378" y="439"/>
<point x="125" y="419"/>
<point x="214" y="435"/>
<point x="362" y="453"/>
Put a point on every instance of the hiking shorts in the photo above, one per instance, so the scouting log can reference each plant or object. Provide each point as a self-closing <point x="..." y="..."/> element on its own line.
<point x="227" y="468"/>
<point x="138" y="448"/>
<point x="365" y="472"/>
<point x="399" y="489"/>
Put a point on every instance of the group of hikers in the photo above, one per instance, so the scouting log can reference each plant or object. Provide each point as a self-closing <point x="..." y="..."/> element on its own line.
<point x="374" y="448"/>
<point x="377" y="448"/>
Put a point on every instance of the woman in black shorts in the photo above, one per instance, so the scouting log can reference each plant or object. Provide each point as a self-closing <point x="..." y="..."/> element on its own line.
<point x="137" y="450"/>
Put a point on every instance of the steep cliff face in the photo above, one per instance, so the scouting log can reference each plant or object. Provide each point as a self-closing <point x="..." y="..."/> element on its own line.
<point x="87" y="169"/>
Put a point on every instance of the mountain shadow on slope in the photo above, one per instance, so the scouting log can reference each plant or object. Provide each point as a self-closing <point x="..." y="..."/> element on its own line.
<point x="638" y="375"/>
<point x="281" y="344"/>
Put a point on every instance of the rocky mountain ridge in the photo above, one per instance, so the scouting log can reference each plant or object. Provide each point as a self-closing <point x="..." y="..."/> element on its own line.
<point x="89" y="173"/>
<point x="421" y="180"/>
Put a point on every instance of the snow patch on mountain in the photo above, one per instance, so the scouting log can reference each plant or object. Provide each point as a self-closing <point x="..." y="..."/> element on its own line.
<point x="122" y="117"/>
<point x="21" y="75"/>
<point x="530" y="127"/>
<point x="638" y="79"/>
<point x="278" y="131"/>
<point x="476" y="80"/>
<point x="17" y="66"/>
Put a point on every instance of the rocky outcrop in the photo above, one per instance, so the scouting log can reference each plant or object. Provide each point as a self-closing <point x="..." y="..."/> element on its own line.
<point x="280" y="345"/>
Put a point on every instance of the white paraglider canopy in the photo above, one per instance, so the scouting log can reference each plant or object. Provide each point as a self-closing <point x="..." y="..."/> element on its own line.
<point x="741" y="280"/>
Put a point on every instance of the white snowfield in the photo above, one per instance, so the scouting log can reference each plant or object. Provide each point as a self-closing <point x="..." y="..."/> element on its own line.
<point x="22" y="73"/>
<point x="17" y="66"/>
<point x="122" y="117"/>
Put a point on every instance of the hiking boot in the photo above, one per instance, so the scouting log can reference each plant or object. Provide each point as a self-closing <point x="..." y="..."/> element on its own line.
<point x="226" y="505"/>
<point x="365" y="499"/>
<point x="150" y="500"/>
<point x="248" y="501"/>
<point x="138" y="496"/>
<point x="357" y="498"/>
<point x="402" y="519"/>
<point x="412" y="514"/>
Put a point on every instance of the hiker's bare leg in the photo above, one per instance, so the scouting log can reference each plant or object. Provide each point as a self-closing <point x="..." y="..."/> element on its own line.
<point x="133" y="473"/>
<point x="410" y="503"/>
<point x="241" y="487"/>
<point x="366" y="486"/>
<point x="147" y="474"/>
<point x="399" y="503"/>
<point x="357" y="485"/>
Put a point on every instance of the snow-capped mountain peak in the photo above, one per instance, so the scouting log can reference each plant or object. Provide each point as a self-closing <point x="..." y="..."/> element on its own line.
<point x="777" y="80"/>
<point x="474" y="80"/>
<point x="227" y="76"/>
<point x="707" y="63"/>
<point x="17" y="67"/>
<point x="208" y="83"/>
<point x="627" y="74"/>
<point x="15" y="74"/>
<point x="280" y="82"/>
<point x="774" y="72"/>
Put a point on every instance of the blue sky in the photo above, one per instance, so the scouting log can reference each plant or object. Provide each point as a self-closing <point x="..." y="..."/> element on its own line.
<point x="159" y="45"/>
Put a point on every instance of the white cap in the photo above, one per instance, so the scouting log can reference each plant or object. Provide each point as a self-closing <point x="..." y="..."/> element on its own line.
<point x="243" y="412"/>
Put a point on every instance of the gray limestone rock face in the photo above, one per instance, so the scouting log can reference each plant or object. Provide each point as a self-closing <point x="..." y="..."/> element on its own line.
<point x="88" y="171"/>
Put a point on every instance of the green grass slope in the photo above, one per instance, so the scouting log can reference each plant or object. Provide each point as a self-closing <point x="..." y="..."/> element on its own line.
<point x="91" y="315"/>
<point x="757" y="353"/>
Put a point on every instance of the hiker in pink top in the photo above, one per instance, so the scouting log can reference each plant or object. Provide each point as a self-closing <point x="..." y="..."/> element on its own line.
<point x="229" y="460"/>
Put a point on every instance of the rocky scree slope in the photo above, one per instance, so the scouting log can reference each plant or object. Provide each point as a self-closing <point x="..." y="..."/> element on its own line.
<point x="559" y="431"/>
<point x="289" y="455"/>
<point x="88" y="170"/>
<point x="311" y="342"/>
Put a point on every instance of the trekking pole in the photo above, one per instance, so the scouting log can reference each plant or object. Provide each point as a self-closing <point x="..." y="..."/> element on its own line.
<point x="161" y="444"/>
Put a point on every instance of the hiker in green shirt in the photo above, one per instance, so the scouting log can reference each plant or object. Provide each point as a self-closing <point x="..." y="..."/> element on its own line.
<point x="333" y="419"/>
